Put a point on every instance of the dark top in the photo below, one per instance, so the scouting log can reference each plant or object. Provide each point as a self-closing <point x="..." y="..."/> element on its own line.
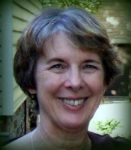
<point x="105" y="142"/>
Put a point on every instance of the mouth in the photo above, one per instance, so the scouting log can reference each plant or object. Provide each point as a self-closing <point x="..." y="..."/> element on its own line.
<point x="73" y="102"/>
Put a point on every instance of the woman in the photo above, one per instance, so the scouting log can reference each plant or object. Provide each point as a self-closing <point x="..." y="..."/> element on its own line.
<point x="64" y="59"/>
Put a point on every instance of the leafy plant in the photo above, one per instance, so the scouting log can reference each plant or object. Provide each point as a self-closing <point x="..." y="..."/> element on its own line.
<point x="108" y="126"/>
<point x="90" y="5"/>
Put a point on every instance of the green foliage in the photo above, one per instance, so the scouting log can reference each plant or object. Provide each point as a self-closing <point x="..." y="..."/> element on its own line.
<point x="90" y="5"/>
<point x="108" y="126"/>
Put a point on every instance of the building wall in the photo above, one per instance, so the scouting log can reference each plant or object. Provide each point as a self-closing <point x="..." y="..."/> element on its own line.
<point x="23" y="12"/>
<point x="14" y="105"/>
<point x="115" y="16"/>
<point x="0" y="66"/>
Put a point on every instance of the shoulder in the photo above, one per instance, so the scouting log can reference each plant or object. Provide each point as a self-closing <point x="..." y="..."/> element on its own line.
<point x="22" y="143"/>
<point x="109" y="143"/>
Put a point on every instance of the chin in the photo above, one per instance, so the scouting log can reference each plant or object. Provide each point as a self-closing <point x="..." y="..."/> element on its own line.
<point x="74" y="125"/>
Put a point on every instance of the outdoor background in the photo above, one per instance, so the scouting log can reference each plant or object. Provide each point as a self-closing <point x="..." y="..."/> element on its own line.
<point x="17" y="114"/>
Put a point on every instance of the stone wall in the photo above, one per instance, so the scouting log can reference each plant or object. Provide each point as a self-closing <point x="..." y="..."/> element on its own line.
<point x="23" y="121"/>
<point x="14" y="126"/>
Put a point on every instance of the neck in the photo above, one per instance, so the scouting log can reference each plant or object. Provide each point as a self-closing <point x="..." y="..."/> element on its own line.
<point x="57" y="138"/>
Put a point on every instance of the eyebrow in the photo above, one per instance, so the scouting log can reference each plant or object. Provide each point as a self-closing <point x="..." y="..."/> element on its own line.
<point x="92" y="61"/>
<point x="85" y="61"/>
<point x="54" y="60"/>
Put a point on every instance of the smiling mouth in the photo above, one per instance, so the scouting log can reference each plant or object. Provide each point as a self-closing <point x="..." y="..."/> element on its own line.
<point x="73" y="102"/>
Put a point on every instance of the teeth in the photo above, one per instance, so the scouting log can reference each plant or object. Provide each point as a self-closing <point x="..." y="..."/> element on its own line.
<point x="73" y="102"/>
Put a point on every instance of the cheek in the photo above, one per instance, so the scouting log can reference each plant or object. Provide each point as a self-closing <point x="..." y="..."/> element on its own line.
<point x="48" y="83"/>
<point x="96" y="83"/>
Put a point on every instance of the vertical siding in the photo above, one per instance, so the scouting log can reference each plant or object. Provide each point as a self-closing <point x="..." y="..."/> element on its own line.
<point x="23" y="12"/>
<point x="14" y="16"/>
<point x="6" y="77"/>
<point x="0" y="67"/>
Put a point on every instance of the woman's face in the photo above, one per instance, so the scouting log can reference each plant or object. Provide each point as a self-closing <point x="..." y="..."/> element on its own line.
<point x="70" y="84"/>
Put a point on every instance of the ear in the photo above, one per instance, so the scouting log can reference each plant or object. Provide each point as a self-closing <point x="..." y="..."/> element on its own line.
<point x="32" y="91"/>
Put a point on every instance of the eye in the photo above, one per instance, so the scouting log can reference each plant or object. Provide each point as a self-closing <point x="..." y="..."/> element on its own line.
<point x="89" y="68"/>
<point x="57" y="67"/>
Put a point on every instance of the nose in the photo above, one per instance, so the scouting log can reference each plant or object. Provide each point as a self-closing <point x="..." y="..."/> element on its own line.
<point x="74" y="80"/>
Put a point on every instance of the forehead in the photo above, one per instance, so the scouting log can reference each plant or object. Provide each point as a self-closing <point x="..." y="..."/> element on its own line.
<point x="61" y="46"/>
<point x="58" y="41"/>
